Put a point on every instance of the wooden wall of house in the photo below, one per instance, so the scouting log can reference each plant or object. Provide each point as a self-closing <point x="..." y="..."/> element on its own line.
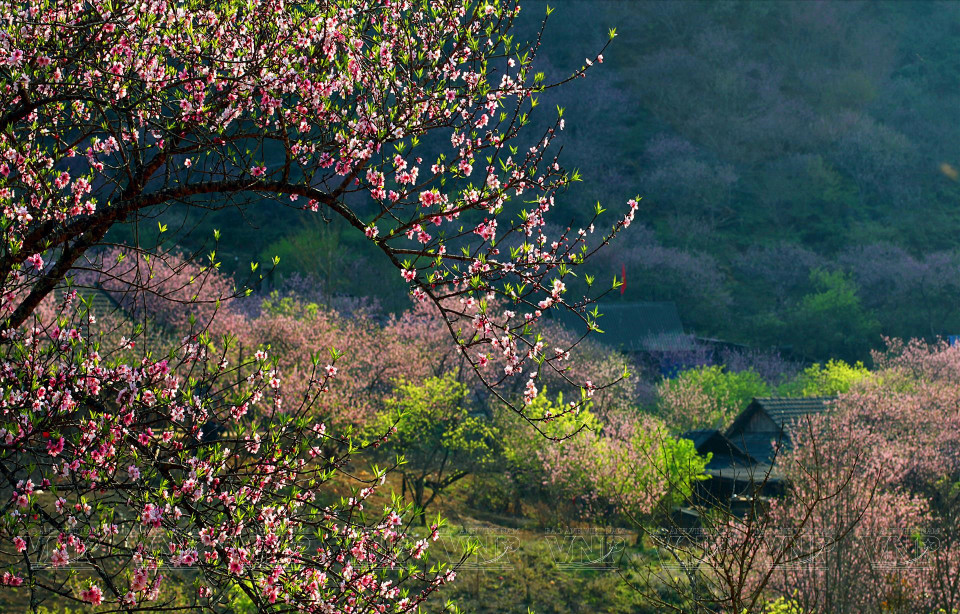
<point x="759" y="422"/>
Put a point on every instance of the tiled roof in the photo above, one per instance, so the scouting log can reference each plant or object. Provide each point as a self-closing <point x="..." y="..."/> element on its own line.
<point x="712" y="440"/>
<point x="759" y="445"/>
<point x="783" y="410"/>
<point x="631" y="325"/>
<point x="699" y="436"/>
<point x="756" y="474"/>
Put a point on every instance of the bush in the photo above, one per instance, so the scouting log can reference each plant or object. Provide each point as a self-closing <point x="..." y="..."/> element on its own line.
<point x="440" y="440"/>
<point x="825" y="380"/>
<point x="832" y="321"/>
<point x="708" y="397"/>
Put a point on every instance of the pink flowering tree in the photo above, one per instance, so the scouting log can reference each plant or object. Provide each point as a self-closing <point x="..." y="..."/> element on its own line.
<point x="900" y="553"/>
<point x="300" y="334"/>
<point x="734" y="559"/>
<point x="631" y="466"/>
<point x="624" y="466"/>
<point x="868" y="519"/>
<point x="167" y="288"/>
<point x="708" y="396"/>
<point x="111" y="113"/>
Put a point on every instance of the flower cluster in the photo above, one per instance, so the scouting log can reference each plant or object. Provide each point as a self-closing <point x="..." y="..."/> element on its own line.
<point x="180" y="447"/>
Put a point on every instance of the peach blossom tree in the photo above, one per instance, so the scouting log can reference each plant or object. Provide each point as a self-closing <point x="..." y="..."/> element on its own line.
<point x="122" y="462"/>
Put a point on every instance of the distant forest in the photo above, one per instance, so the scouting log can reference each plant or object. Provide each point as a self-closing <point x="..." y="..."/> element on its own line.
<point x="798" y="163"/>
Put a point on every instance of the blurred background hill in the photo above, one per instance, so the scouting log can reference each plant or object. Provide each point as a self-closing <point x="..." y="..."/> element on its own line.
<point x="798" y="163"/>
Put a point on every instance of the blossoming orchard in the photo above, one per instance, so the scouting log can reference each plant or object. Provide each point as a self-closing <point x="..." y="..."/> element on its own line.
<point x="298" y="299"/>
<point x="113" y="111"/>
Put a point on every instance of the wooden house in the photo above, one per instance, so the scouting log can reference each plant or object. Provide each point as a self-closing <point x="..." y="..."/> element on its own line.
<point x="632" y="327"/>
<point x="764" y="426"/>
<point x="743" y="466"/>
<point x="733" y="472"/>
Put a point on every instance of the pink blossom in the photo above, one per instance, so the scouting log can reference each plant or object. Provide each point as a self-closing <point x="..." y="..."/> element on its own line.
<point x="192" y="400"/>
<point x="55" y="447"/>
<point x="59" y="558"/>
<point x="92" y="595"/>
<point x="14" y="57"/>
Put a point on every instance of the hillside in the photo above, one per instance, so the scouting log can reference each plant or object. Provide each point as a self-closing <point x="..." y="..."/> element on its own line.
<point x="797" y="163"/>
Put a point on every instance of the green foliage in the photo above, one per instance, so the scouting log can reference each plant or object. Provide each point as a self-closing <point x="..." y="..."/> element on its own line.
<point x="434" y="415"/>
<point x="438" y="438"/>
<point x="646" y="474"/>
<point x="563" y="424"/>
<point x="339" y="260"/>
<point x="708" y="396"/>
<point x="683" y="468"/>
<point x="781" y="605"/>
<point x="521" y="444"/>
<point x="831" y="319"/>
<point x="819" y="380"/>
<point x="621" y="464"/>
<point x="240" y="602"/>
<point x="315" y="251"/>
<point x="541" y="579"/>
<point x="733" y="388"/>
<point x="288" y="306"/>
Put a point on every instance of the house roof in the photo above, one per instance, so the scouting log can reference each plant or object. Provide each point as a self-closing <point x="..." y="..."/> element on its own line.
<point x="760" y="446"/>
<point x="783" y="410"/>
<point x="725" y="452"/>
<point x="632" y="326"/>
<point x="750" y="474"/>
<point x="780" y="410"/>
<point x="699" y="436"/>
